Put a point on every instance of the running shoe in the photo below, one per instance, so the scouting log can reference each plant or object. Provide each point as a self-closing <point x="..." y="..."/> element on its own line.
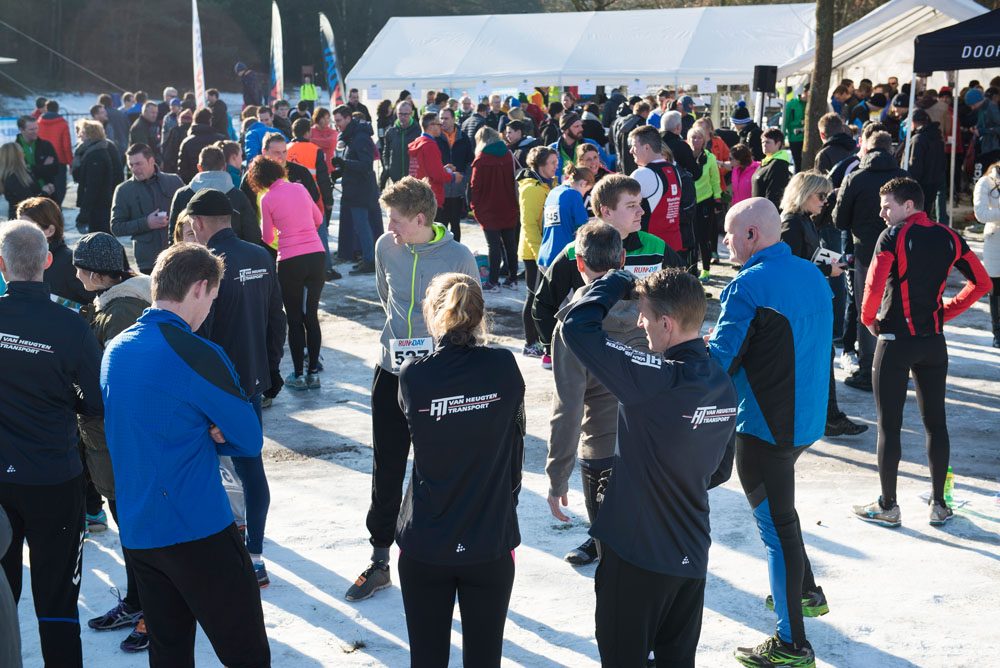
<point x="363" y="268"/>
<point x="490" y="287"/>
<point x="262" y="580"/>
<point x="876" y="514"/>
<point x="583" y="555"/>
<point x="859" y="381"/>
<point x="266" y="402"/>
<point x="333" y="275"/>
<point x="775" y="653"/>
<point x="849" y="361"/>
<point x="312" y="380"/>
<point x="813" y="603"/>
<point x="844" y="426"/>
<point x="940" y="514"/>
<point x="715" y="258"/>
<point x="98" y="522"/>
<point x="297" y="383"/>
<point x="117" y="617"/>
<point x="509" y="284"/>
<point x="534" y="350"/>
<point x="705" y="276"/>
<point x="372" y="579"/>
<point x="138" y="640"/>
<point x="547" y="362"/>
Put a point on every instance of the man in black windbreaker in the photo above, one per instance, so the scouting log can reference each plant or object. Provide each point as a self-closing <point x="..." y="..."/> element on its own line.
<point x="51" y="364"/>
<point x="654" y="524"/>
<point x="247" y="320"/>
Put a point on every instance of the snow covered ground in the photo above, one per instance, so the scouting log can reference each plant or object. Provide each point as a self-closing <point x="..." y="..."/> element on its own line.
<point x="915" y="596"/>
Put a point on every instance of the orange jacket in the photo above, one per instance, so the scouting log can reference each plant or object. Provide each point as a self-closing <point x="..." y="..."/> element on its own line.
<point x="720" y="150"/>
<point x="54" y="129"/>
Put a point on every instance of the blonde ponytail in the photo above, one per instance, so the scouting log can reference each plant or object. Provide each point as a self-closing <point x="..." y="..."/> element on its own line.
<point x="454" y="309"/>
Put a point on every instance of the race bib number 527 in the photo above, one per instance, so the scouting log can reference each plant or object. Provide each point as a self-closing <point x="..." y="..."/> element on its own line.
<point x="401" y="350"/>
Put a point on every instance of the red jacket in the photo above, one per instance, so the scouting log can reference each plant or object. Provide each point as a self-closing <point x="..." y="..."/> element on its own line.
<point x="493" y="192"/>
<point x="425" y="162"/>
<point x="54" y="129"/>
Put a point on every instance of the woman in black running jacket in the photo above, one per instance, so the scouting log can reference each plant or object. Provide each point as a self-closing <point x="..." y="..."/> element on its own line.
<point x="457" y="527"/>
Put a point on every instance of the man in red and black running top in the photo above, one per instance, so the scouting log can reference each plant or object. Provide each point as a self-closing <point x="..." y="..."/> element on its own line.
<point x="661" y="187"/>
<point x="903" y="307"/>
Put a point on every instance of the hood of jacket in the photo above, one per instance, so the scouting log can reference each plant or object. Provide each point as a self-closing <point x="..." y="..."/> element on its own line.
<point x="51" y="116"/>
<point x="842" y="140"/>
<point x="783" y="154"/>
<point x="355" y="127"/>
<point x="420" y="142"/>
<point x="221" y="181"/>
<point x="931" y="129"/>
<point x="527" y="175"/>
<point x="587" y="116"/>
<point x="526" y="141"/>
<point x="137" y="287"/>
<point x="879" y="161"/>
<point x="496" y="150"/>
<point x="201" y="129"/>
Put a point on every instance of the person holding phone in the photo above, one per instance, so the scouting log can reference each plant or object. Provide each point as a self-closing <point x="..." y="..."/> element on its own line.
<point x="140" y="205"/>
<point x="803" y="199"/>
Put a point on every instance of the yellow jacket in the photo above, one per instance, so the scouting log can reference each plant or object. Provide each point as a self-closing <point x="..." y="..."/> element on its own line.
<point x="531" y="194"/>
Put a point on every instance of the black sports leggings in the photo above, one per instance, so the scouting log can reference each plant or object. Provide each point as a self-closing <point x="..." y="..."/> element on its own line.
<point x="451" y="215"/>
<point x="531" y="278"/>
<point x="927" y="358"/>
<point x="502" y="243"/>
<point x="429" y="592"/>
<point x="705" y="232"/>
<point x="301" y="279"/>
<point x="767" y="473"/>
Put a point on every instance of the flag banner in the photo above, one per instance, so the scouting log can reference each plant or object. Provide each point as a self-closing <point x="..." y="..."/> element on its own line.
<point x="199" y="66"/>
<point x="330" y="57"/>
<point x="277" y="51"/>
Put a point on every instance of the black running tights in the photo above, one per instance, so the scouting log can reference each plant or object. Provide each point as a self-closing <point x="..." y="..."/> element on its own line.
<point x="531" y="279"/>
<point x="301" y="279"/>
<point x="429" y="593"/>
<point x="705" y="232"/>
<point x="502" y="243"/>
<point x="927" y="358"/>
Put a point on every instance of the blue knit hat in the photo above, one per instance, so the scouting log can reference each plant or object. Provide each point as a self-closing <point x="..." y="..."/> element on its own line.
<point x="974" y="96"/>
<point x="742" y="115"/>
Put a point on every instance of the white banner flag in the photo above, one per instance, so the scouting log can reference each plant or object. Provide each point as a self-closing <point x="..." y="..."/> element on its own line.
<point x="199" y="66"/>
<point x="277" y="52"/>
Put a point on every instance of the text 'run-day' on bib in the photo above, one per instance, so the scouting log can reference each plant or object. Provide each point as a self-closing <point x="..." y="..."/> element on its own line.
<point x="402" y="349"/>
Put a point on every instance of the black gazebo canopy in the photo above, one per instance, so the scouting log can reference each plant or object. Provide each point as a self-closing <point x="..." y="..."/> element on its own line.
<point x="969" y="45"/>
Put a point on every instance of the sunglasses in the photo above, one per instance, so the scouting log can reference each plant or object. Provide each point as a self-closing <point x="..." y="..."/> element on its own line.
<point x="823" y="196"/>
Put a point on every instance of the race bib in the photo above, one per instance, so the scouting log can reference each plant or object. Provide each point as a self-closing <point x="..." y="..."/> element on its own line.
<point x="401" y="350"/>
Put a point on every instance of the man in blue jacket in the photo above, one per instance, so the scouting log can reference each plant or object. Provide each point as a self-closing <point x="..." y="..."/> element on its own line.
<point x="248" y="321"/>
<point x="173" y="404"/>
<point x="774" y="336"/>
<point x="676" y="418"/>
<point x="257" y="131"/>
<point x="50" y="361"/>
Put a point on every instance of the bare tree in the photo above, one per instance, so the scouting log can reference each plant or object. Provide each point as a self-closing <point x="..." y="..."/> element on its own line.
<point x="820" y="84"/>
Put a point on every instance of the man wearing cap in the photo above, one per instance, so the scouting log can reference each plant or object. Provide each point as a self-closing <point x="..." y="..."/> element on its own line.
<point x="248" y="322"/>
<point x="170" y="110"/>
<point x="572" y="134"/>
<point x="750" y="133"/>
<point x="51" y="364"/>
<point x="685" y="105"/>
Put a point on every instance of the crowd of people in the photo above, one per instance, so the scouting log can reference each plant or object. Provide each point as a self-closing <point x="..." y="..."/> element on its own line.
<point x="145" y="386"/>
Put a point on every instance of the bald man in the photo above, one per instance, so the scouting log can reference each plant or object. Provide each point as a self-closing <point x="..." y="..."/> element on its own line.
<point x="774" y="338"/>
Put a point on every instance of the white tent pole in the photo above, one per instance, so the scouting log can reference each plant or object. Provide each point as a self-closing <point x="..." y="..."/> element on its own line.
<point x="716" y="104"/>
<point x="909" y="122"/>
<point x="955" y="139"/>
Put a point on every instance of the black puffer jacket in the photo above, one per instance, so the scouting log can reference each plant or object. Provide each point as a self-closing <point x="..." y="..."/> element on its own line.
<point x="683" y="155"/>
<point x="835" y="149"/>
<point x="857" y="209"/>
<point x="927" y="161"/>
<point x="199" y="136"/>
<point x="801" y="235"/>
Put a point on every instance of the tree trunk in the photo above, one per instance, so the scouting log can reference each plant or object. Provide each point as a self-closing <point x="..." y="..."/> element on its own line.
<point x="819" y="87"/>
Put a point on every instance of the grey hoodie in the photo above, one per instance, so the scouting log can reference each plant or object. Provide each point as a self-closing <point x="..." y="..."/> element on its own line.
<point x="402" y="273"/>
<point x="10" y="634"/>
<point x="244" y="222"/>
<point x="581" y="405"/>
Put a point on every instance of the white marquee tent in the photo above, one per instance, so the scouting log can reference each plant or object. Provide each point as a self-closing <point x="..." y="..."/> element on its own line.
<point x="642" y="47"/>
<point x="880" y="44"/>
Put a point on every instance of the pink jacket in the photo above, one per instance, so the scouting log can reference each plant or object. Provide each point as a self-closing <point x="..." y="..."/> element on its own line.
<point x="742" y="178"/>
<point x="289" y="212"/>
